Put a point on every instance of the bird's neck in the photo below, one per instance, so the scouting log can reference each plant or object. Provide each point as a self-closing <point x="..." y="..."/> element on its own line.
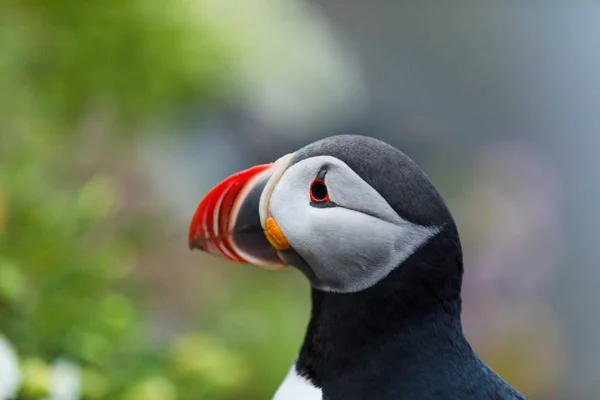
<point x="399" y="333"/>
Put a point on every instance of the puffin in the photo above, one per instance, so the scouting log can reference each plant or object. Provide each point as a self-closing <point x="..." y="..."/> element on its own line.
<point x="382" y="253"/>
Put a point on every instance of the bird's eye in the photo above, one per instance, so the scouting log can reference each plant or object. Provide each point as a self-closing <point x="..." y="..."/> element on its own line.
<point x="318" y="192"/>
<point x="318" y="189"/>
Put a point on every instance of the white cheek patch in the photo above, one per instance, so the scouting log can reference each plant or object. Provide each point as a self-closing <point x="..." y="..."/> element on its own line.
<point x="349" y="247"/>
<point x="356" y="250"/>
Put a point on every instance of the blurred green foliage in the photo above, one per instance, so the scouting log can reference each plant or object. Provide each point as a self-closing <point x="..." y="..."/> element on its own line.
<point x="67" y="246"/>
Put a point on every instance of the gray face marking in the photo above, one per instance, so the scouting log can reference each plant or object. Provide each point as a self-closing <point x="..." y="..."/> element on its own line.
<point x="353" y="245"/>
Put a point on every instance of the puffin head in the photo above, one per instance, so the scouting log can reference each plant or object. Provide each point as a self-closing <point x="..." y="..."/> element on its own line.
<point x="346" y="210"/>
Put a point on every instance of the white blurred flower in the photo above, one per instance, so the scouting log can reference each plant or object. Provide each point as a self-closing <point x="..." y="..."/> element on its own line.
<point x="65" y="381"/>
<point x="10" y="374"/>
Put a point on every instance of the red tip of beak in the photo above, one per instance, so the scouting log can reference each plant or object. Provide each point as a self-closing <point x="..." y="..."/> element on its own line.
<point x="213" y="221"/>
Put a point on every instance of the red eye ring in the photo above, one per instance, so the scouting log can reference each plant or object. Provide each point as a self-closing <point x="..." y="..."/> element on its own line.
<point x="319" y="192"/>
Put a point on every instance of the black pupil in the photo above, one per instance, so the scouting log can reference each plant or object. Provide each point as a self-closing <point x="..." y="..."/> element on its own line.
<point x="319" y="190"/>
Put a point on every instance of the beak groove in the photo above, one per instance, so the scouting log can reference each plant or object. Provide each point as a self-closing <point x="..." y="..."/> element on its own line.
<point x="229" y="221"/>
<point x="211" y="225"/>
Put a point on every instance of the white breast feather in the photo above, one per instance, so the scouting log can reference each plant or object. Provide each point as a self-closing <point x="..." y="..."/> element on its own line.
<point x="296" y="387"/>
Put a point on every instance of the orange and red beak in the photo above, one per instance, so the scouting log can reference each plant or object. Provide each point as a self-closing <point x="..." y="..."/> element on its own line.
<point x="232" y="221"/>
